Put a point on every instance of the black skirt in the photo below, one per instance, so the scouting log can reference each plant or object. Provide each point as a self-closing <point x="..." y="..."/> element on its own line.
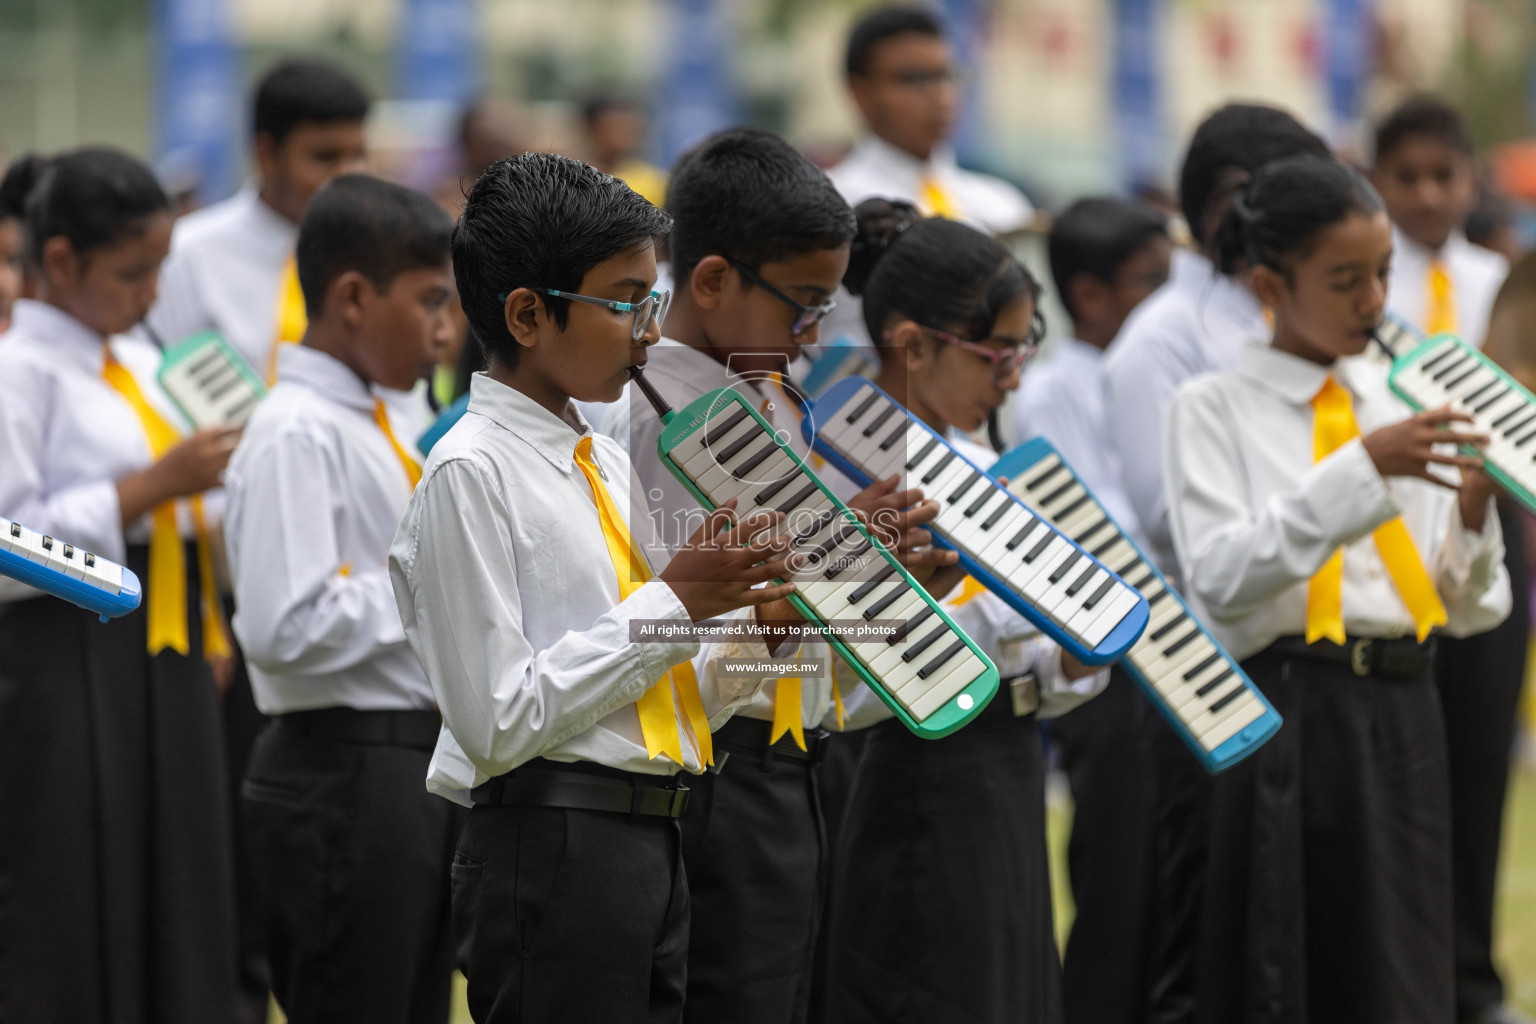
<point x="116" y="899"/>
<point x="941" y="896"/>
<point x="1328" y="884"/>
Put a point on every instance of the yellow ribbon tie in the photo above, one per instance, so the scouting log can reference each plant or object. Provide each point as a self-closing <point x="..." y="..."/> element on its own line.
<point x="166" y="603"/>
<point x="292" y="317"/>
<point x="837" y="694"/>
<point x="679" y="688"/>
<point x="411" y="466"/>
<point x="937" y="201"/>
<point x="1334" y="425"/>
<point x="969" y="588"/>
<point x="787" y="710"/>
<point x="1440" y="315"/>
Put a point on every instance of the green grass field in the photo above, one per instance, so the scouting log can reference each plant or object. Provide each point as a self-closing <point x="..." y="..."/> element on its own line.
<point x="1517" y="894"/>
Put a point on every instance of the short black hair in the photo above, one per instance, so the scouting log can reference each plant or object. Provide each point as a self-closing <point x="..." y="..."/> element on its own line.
<point x="1228" y="147"/>
<point x="375" y="227"/>
<point x="940" y="273"/>
<point x="299" y="90"/>
<point x="748" y="195"/>
<point x="1423" y="117"/>
<point x="1095" y="236"/>
<point x="95" y="197"/>
<point x="884" y="23"/>
<point x="538" y="221"/>
<point x="1276" y="217"/>
<point x="20" y="179"/>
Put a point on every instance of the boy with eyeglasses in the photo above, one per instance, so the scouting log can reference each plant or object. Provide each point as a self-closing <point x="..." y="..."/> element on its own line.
<point x="524" y="588"/>
<point x="760" y="240"/>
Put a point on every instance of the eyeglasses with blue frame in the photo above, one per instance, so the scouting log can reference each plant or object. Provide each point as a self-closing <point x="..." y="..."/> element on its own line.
<point x="649" y="310"/>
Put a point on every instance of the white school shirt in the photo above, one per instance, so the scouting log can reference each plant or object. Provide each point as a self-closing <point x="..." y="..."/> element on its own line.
<point x="1194" y="324"/>
<point x="681" y="374"/>
<point x="1062" y="400"/>
<point x="1476" y="275"/>
<point x="1013" y="643"/>
<point x="874" y="167"/>
<point x="1254" y="518"/>
<point x="67" y="436"/>
<point x="224" y="273"/>
<point x="315" y="493"/>
<point x="511" y="602"/>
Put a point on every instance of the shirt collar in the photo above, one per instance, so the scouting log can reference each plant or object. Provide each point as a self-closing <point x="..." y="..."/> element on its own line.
<point x="63" y="335"/>
<point x="267" y="221"/>
<point x="893" y="159"/>
<point x="1292" y="378"/>
<point x="548" y="434"/>
<point x="323" y="374"/>
<point x="1408" y="251"/>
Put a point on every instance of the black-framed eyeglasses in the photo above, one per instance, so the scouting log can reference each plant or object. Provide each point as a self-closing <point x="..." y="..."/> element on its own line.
<point x="649" y="310"/>
<point x="806" y="317"/>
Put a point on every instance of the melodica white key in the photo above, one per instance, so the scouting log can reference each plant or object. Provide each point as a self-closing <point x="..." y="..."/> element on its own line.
<point x="1447" y="371"/>
<point x="1023" y="558"/>
<point x="927" y="671"/>
<point x="1199" y="688"/>
<point x="59" y="568"/>
<point x="210" y="382"/>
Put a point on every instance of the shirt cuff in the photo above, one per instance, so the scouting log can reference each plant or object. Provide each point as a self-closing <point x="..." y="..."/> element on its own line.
<point x="1467" y="551"/>
<point x="1348" y="495"/>
<point x="657" y="601"/>
<point x="1059" y="694"/>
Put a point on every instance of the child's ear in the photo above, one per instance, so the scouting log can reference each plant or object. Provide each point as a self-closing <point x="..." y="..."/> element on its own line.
<point x="912" y="345"/>
<point x="523" y="309"/>
<point x="1088" y="295"/>
<point x="60" y="261"/>
<point x="347" y="295"/>
<point x="1268" y="285"/>
<point x="708" y="281"/>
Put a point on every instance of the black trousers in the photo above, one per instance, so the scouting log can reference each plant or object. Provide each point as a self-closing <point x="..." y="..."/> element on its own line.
<point x="116" y="897"/>
<point x="242" y="724"/>
<point x="1103" y="749"/>
<point x="941" y="897"/>
<point x="1327" y="890"/>
<point x="834" y="782"/>
<point x="566" y="915"/>
<point x="352" y="855"/>
<point x="753" y="846"/>
<point x="1480" y="679"/>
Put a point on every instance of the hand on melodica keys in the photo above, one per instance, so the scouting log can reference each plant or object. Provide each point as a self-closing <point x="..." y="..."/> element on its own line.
<point x="1409" y="447"/>
<point x="722" y="565"/>
<point x="898" y="519"/>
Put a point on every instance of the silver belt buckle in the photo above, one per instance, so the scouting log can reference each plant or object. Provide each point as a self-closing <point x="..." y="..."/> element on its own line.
<point x="1025" y="692"/>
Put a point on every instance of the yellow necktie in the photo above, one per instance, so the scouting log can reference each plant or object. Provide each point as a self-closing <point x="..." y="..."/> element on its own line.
<point x="292" y="318"/>
<point x="166" y="602"/>
<point x="1440" y="311"/>
<point x="410" y="465"/>
<point x="1333" y="425"/>
<point x="936" y="200"/>
<point x="788" y="695"/>
<point x="658" y="707"/>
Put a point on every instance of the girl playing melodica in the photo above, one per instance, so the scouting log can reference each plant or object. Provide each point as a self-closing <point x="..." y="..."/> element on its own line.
<point x="941" y="901"/>
<point x="115" y="870"/>
<point x="1327" y="535"/>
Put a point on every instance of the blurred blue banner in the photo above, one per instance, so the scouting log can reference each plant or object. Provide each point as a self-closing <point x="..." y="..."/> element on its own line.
<point x="698" y="95"/>
<point x="1137" y="93"/>
<point x="200" y="120"/>
<point x="1349" y="45"/>
<point x="437" y="51"/>
<point x="965" y="20"/>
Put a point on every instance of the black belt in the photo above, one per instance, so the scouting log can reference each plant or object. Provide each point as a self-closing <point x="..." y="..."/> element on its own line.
<point x="1401" y="658"/>
<point x="749" y="738"/>
<point x="415" y="729"/>
<point x="584" y="786"/>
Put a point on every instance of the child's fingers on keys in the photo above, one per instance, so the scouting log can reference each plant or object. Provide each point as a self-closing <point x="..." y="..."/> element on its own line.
<point x="762" y="595"/>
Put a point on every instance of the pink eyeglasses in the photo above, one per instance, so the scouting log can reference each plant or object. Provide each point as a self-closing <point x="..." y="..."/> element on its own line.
<point x="1004" y="360"/>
